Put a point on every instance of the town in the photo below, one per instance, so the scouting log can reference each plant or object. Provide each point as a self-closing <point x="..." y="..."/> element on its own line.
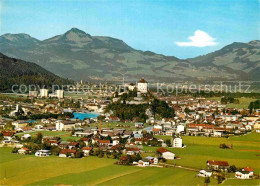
<point x="134" y="126"/>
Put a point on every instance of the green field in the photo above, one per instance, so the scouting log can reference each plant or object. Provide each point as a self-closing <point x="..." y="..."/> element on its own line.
<point x="243" y="102"/>
<point x="21" y="169"/>
<point x="245" y="152"/>
<point x="65" y="136"/>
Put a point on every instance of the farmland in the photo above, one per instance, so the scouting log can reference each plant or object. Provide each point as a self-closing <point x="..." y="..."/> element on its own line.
<point x="245" y="152"/>
<point x="21" y="169"/>
<point x="243" y="102"/>
<point x="28" y="169"/>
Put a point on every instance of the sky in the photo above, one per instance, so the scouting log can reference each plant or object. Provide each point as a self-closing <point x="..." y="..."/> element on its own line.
<point x="181" y="28"/>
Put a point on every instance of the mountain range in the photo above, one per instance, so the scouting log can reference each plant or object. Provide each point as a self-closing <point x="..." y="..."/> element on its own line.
<point x="17" y="72"/>
<point x="78" y="55"/>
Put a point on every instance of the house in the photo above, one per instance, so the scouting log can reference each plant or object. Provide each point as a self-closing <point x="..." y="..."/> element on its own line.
<point x="26" y="136"/>
<point x="245" y="173"/>
<point x="157" y="131"/>
<point x="132" y="150"/>
<point x="104" y="143"/>
<point x="7" y="135"/>
<point x="67" y="153"/>
<point x="112" y="119"/>
<point x="257" y="127"/>
<point x="86" y="150"/>
<point x="180" y="128"/>
<point x="73" y="145"/>
<point x="218" y="165"/>
<point x="20" y="123"/>
<point x="143" y="163"/>
<point x="139" y="125"/>
<point x="204" y="173"/>
<point x="142" y="86"/>
<point x="131" y="86"/>
<point x="152" y="160"/>
<point x="42" y="153"/>
<point x="166" y="154"/>
<point x="23" y="150"/>
<point x="65" y="125"/>
<point x="53" y="142"/>
<point x="85" y="140"/>
<point x="177" y="142"/>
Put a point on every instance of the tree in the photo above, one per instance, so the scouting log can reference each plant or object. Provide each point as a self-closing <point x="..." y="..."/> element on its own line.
<point x="168" y="142"/>
<point x="232" y="168"/>
<point x="15" y="150"/>
<point x="79" y="154"/>
<point x="39" y="137"/>
<point x="55" y="150"/>
<point x="207" y="180"/>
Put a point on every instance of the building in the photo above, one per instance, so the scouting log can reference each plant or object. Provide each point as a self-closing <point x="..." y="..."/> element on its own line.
<point x="246" y="173"/>
<point x="177" y="142"/>
<point x="86" y="150"/>
<point x="60" y="94"/>
<point x="67" y="153"/>
<point x="65" y="125"/>
<point x="23" y="150"/>
<point x="166" y="154"/>
<point x="180" y="128"/>
<point x="204" y="173"/>
<point x="139" y="125"/>
<point x="33" y="93"/>
<point x="44" y="93"/>
<point x="131" y="86"/>
<point x="42" y="153"/>
<point x="152" y="160"/>
<point x="20" y="123"/>
<point x="18" y="111"/>
<point x="26" y="136"/>
<point x="142" y="86"/>
<point x="257" y="127"/>
<point x="218" y="165"/>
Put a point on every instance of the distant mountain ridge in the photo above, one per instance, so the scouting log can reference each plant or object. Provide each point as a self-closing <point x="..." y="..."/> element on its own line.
<point x="78" y="55"/>
<point x="17" y="72"/>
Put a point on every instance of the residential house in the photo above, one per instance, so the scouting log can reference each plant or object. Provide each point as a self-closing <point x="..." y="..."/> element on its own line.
<point x="245" y="173"/>
<point x="204" y="173"/>
<point x="73" y="145"/>
<point x="177" y="142"/>
<point x="67" y="153"/>
<point x="65" y="125"/>
<point x="20" y="123"/>
<point x="42" y="153"/>
<point x="139" y="125"/>
<point x="23" y="150"/>
<point x="104" y="143"/>
<point x="218" y="165"/>
<point x="86" y="150"/>
<point x="26" y="136"/>
<point x="166" y="154"/>
<point x="132" y="150"/>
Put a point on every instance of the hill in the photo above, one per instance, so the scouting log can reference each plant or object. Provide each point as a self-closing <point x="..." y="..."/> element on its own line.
<point x="78" y="55"/>
<point x="242" y="58"/>
<point x="16" y="72"/>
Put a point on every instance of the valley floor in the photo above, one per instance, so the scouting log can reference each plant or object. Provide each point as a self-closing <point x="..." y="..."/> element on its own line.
<point x="28" y="169"/>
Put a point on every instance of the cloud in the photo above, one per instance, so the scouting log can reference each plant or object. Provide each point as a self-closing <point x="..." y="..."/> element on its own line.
<point x="199" y="39"/>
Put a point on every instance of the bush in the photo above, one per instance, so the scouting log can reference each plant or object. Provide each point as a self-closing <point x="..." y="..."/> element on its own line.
<point x="15" y="150"/>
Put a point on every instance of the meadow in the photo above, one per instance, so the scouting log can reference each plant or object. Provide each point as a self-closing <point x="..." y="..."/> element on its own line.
<point x="28" y="169"/>
<point x="65" y="136"/>
<point x="243" y="102"/>
<point x="245" y="152"/>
